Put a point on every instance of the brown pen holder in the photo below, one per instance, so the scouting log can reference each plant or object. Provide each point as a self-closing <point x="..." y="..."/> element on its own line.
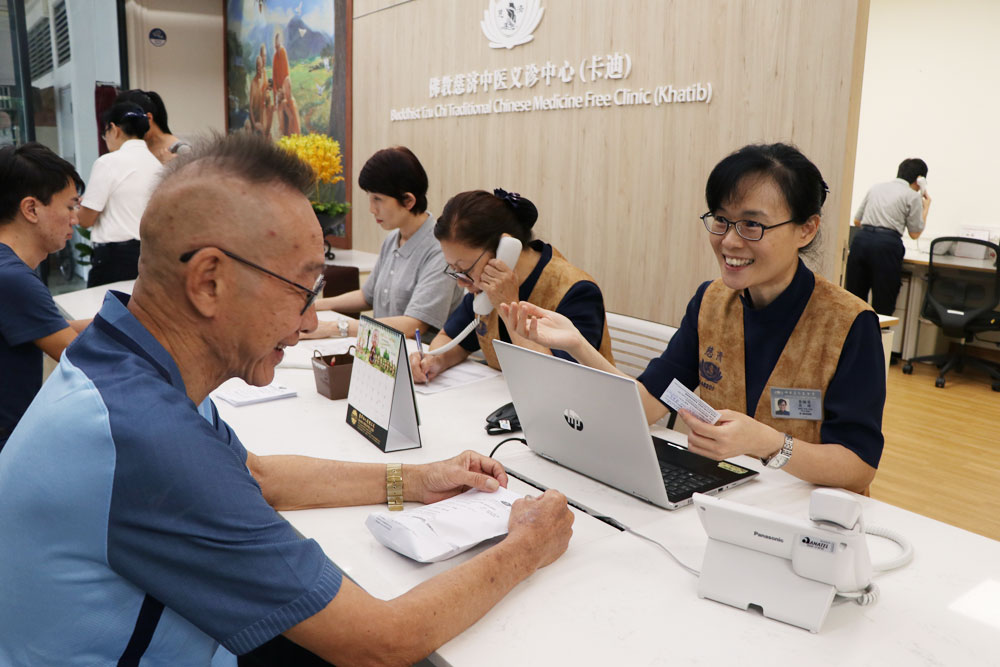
<point x="333" y="373"/>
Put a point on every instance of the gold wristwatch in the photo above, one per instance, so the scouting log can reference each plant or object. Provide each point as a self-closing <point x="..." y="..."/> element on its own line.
<point x="394" y="486"/>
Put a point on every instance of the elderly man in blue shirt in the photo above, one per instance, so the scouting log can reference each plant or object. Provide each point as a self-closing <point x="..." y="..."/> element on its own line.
<point x="136" y="525"/>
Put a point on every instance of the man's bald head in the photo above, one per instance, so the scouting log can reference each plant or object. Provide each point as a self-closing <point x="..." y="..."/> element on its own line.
<point x="220" y="194"/>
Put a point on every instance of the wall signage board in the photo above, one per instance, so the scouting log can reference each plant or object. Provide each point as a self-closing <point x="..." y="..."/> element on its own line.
<point x="534" y="86"/>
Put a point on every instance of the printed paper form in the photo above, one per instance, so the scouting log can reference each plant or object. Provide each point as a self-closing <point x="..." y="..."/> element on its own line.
<point x="237" y="392"/>
<point x="459" y="375"/>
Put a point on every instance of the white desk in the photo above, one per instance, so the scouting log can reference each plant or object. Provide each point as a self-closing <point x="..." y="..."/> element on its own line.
<point x="365" y="261"/>
<point x="915" y="263"/>
<point x="614" y="599"/>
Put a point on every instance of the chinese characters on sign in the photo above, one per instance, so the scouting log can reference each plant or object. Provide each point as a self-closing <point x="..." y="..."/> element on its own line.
<point x="612" y="66"/>
<point x="537" y="78"/>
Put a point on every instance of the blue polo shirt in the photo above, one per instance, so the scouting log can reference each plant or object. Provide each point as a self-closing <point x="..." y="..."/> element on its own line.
<point x="583" y="305"/>
<point x="131" y="526"/>
<point x="852" y="403"/>
<point x="27" y="313"/>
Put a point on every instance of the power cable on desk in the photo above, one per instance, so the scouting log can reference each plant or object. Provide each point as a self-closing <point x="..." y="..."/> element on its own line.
<point x="867" y="596"/>
<point x="515" y="438"/>
<point x="611" y="521"/>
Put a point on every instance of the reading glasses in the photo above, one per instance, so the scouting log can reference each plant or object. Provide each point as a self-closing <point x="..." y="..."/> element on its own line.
<point x="750" y="230"/>
<point x="316" y="290"/>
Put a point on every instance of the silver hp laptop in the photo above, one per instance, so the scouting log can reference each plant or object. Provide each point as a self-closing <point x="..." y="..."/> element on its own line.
<point x="593" y="422"/>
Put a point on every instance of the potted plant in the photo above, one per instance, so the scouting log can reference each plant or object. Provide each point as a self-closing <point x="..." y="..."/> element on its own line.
<point x="322" y="153"/>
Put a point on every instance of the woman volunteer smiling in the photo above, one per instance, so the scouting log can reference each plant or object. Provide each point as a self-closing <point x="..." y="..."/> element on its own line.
<point x="768" y="329"/>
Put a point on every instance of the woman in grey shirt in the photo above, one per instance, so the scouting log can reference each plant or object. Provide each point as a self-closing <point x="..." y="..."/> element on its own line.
<point x="407" y="289"/>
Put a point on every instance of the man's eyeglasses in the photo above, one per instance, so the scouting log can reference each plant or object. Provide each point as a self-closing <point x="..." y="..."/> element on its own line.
<point x="463" y="275"/>
<point x="316" y="290"/>
<point x="747" y="229"/>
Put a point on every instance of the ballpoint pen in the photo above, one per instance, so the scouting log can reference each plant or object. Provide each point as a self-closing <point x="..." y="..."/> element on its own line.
<point x="420" y="347"/>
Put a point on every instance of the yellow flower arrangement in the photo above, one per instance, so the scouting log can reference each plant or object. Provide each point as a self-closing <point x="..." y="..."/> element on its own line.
<point x="321" y="153"/>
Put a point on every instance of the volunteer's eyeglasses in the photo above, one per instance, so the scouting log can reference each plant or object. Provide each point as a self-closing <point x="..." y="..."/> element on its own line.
<point x="750" y="230"/>
<point x="463" y="275"/>
<point x="316" y="290"/>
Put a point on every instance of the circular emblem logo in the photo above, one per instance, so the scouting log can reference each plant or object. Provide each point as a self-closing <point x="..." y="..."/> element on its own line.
<point x="509" y="23"/>
<point x="157" y="37"/>
<point x="710" y="371"/>
<point x="354" y="417"/>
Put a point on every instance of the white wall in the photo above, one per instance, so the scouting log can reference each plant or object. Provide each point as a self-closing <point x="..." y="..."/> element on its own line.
<point x="188" y="71"/>
<point x="930" y="91"/>
<point x="93" y="61"/>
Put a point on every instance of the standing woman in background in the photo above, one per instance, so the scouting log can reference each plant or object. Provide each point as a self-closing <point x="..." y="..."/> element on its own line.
<point x="469" y="231"/>
<point x="768" y="330"/>
<point x="160" y="142"/>
<point x="121" y="183"/>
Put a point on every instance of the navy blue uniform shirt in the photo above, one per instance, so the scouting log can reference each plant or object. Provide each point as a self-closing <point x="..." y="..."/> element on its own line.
<point x="583" y="304"/>
<point x="27" y="313"/>
<point x="852" y="403"/>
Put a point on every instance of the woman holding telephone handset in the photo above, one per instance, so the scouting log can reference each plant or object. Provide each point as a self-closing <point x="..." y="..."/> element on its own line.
<point x="487" y="243"/>
<point x="767" y="330"/>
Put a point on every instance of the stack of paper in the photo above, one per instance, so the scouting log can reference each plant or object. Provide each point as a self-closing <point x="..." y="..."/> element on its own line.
<point x="237" y="392"/>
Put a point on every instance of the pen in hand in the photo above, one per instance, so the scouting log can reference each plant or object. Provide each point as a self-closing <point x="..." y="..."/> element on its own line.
<point x="420" y="347"/>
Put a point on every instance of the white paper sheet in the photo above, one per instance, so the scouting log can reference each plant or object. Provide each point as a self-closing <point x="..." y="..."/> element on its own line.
<point x="459" y="375"/>
<point x="300" y="355"/>
<point x="439" y="531"/>
<point x="237" y="392"/>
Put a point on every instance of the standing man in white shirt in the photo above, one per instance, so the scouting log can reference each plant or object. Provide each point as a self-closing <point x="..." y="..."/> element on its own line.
<point x="875" y="262"/>
<point x="121" y="183"/>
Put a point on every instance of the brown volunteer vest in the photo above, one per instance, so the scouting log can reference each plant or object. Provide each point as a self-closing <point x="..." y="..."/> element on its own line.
<point x="556" y="279"/>
<point x="808" y="360"/>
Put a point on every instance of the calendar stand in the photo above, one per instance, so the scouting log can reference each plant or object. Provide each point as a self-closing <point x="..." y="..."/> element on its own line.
<point x="380" y="401"/>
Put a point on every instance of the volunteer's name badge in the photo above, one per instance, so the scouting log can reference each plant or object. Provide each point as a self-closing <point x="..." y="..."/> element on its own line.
<point x="797" y="404"/>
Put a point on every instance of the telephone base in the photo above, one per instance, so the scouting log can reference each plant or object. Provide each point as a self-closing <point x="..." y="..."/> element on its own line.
<point x="740" y="577"/>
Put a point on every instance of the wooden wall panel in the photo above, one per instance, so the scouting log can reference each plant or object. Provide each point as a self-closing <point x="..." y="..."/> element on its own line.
<point x="619" y="190"/>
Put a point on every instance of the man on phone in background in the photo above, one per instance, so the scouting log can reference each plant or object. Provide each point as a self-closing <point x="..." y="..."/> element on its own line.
<point x="875" y="261"/>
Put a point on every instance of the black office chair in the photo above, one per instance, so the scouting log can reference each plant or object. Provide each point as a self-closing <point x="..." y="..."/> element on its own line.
<point x="962" y="306"/>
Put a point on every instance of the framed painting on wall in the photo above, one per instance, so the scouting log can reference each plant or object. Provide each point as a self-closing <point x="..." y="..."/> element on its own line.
<point x="288" y="72"/>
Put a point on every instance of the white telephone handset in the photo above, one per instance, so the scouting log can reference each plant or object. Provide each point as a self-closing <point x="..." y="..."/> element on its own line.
<point x="508" y="252"/>
<point x="922" y="184"/>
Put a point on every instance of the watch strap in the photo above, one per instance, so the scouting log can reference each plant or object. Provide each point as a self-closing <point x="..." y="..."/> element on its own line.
<point x="781" y="457"/>
<point x="394" y="486"/>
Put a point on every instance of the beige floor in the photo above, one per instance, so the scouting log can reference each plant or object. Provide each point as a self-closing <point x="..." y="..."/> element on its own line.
<point x="942" y="449"/>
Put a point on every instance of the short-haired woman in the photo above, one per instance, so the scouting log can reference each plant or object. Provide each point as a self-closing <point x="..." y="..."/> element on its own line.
<point x="407" y="289"/>
<point x="160" y="141"/>
<point x="767" y="328"/>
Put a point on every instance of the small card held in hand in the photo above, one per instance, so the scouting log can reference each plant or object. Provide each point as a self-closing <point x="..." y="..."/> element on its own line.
<point x="677" y="396"/>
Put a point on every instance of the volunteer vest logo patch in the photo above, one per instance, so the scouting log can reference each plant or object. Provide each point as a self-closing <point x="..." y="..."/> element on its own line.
<point x="509" y="23"/>
<point x="709" y="371"/>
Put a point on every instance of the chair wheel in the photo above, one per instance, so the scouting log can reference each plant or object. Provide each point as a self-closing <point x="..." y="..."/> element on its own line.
<point x="939" y="382"/>
<point x="907" y="368"/>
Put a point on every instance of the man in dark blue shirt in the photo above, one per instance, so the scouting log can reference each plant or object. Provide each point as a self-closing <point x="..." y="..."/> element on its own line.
<point x="39" y="197"/>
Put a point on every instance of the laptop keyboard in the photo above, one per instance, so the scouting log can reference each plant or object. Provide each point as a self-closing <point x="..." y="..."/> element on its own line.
<point x="681" y="482"/>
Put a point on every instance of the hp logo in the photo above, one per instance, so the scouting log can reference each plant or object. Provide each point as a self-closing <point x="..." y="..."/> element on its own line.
<point x="573" y="419"/>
